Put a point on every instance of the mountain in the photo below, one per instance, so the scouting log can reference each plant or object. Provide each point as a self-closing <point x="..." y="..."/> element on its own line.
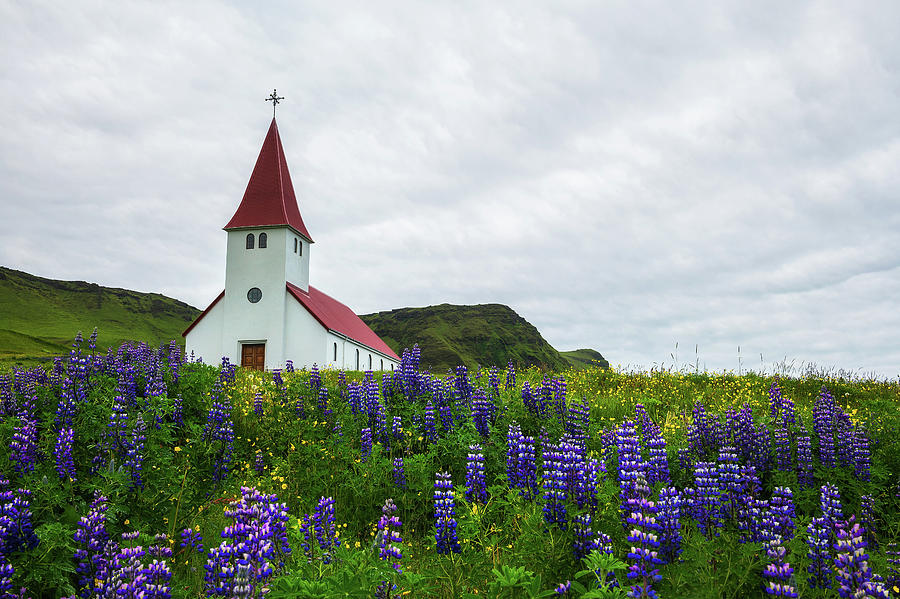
<point x="39" y="317"/>
<point x="484" y="334"/>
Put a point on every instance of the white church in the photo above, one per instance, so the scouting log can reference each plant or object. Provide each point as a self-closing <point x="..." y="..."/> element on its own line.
<point x="269" y="313"/>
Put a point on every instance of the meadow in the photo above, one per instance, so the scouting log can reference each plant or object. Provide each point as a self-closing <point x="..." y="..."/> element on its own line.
<point x="137" y="473"/>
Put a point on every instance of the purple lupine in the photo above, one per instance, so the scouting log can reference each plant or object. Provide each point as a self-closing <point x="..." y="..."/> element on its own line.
<point x="191" y="540"/>
<point x="399" y="474"/>
<point x="354" y="397"/>
<point x="782" y="443"/>
<point x="867" y="519"/>
<point x="528" y="399"/>
<point x="483" y="410"/>
<point x="65" y="465"/>
<point x="429" y="431"/>
<point x="778" y="573"/>
<point x="706" y="506"/>
<point x="819" y="532"/>
<point x="92" y="554"/>
<point x="830" y="502"/>
<point x="366" y="444"/>
<point x="823" y="425"/>
<point x="554" y="483"/>
<point x="644" y="542"/>
<point x="582" y="543"/>
<point x="781" y="507"/>
<point x="219" y="429"/>
<point x="23" y="448"/>
<point x="513" y="437"/>
<point x="315" y="380"/>
<point x="586" y="481"/>
<point x="760" y="448"/>
<point x="526" y="468"/>
<point x="854" y="576"/>
<point x="510" y="375"/>
<point x="669" y="517"/>
<point x="657" y="460"/>
<point x="397" y="429"/>
<point x="178" y="411"/>
<point x="324" y="525"/>
<point x="134" y="456"/>
<point x="805" y="477"/>
<point x="729" y="479"/>
<point x="862" y="459"/>
<point x="258" y="404"/>
<point x="389" y="541"/>
<point x="559" y="399"/>
<point x="630" y="466"/>
<point x="445" y="535"/>
<point x="16" y="527"/>
<point x="775" y="399"/>
<point x="322" y="404"/>
<point x="259" y="463"/>
<point x="494" y="381"/>
<point x="843" y="435"/>
<point x="578" y="421"/>
<point x="476" y="492"/>
<point x="289" y="366"/>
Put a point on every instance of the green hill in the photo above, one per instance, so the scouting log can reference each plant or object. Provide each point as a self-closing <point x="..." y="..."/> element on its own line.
<point x="484" y="334"/>
<point x="39" y="317"/>
<point x="584" y="358"/>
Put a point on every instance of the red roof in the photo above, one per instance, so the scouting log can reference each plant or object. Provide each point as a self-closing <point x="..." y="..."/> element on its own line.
<point x="330" y="313"/>
<point x="269" y="199"/>
<point x="335" y="316"/>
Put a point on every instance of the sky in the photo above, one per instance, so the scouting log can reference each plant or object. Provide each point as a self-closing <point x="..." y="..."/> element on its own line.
<point x="710" y="185"/>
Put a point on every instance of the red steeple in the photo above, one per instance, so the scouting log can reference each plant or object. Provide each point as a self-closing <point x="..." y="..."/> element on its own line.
<point x="269" y="199"/>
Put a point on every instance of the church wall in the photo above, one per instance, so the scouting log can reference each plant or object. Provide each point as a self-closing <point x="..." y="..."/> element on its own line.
<point x="205" y="339"/>
<point x="346" y="355"/>
<point x="304" y="337"/>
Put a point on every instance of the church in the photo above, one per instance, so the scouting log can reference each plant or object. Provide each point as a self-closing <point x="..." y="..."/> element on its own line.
<point x="269" y="313"/>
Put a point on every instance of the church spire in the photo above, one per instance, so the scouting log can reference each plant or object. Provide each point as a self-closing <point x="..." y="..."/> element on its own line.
<point x="269" y="199"/>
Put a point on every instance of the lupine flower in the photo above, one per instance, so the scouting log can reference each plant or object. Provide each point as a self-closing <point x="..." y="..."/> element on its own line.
<point x="526" y="468"/>
<point x="16" y="528"/>
<point x="669" y="516"/>
<point x="760" y="448"/>
<point x="444" y="512"/>
<point x="513" y="436"/>
<point x="510" y="375"/>
<point x="729" y="478"/>
<point x="322" y="405"/>
<point x="220" y="428"/>
<point x="631" y="466"/>
<point x="258" y="404"/>
<point x="823" y="424"/>
<point x="476" y="492"/>
<point x="134" y="457"/>
<point x="867" y="518"/>
<point x="778" y="573"/>
<point x="854" y="576"/>
<point x="707" y="509"/>
<point x="578" y="421"/>
<point x="323" y="523"/>
<point x="178" y="411"/>
<point x="191" y="540"/>
<point x="804" y="462"/>
<point x="429" y="431"/>
<point x="563" y="588"/>
<point x="644" y="549"/>
<point x="819" y="541"/>
<point x="388" y="537"/>
<point x="781" y="506"/>
<point x="399" y="474"/>
<point x="92" y="538"/>
<point x="23" y="448"/>
<point x="861" y="456"/>
<point x="782" y="444"/>
<point x="555" y="486"/>
<point x="584" y="536"/>
<point x="259" y="464"/>
<point x="483" y="410"/>
<point x="366" y="449"/>
<point x="830" y="502"/>
<point x="65" y="465"/>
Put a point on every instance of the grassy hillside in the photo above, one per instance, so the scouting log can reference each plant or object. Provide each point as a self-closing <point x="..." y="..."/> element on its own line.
<point x="485" y="334"/>
<point x="584" y="358"/>
<point x="39" y="317"/>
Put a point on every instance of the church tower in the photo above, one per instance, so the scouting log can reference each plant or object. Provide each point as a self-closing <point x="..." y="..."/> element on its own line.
<point x="268" y="312"/>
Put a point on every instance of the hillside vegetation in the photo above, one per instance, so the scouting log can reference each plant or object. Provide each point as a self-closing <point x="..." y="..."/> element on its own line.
<point x="38" y="316"/>
<point x="483" y="334"/>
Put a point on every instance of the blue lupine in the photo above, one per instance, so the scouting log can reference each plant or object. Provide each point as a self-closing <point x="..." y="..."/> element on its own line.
<point x="657" y="460"/>
<point x="219" y="429"/>
<point x="707" y="509"/>
<point x="644" y="552"/>
<point x="23" y="447"/>
<point x="729" y="482"/>
<point x="476" y="492"/>
<point x="526" y="468"/>
<point x="513" y="437"/>
<point x="259" y="464"/>
<point x="92" y="539"/>
<point x="778" y="573"/>
<point x="760" y="448"/>
<point x="429" y="431"/>
<point x="134" y="456"/>
<point x="322" y="405"/>
<point x="830" y="502"/>
<point x="631" y="466"/>
<point x="819" y="532"/>
<point x="854" y="576"/>
<point x="584" y="536"/>
<point x="354" y="397"/>
<point x="324" y="525"/>
<point x="399" y="474"/>
<point x="65" y="465"/>
<point x="805" y="477"/>
<point x="555" y="487"/>
<point x="446" y="538"/>
<point x="669" y="517"/>
<point x="862" y="459"/>
<point x="191" y="540"/>
<point x="782" y="443"/>
<point x="389" y="541"/>
<point x="823" y="424"/>
<point x="258" y="404"/>
<point x="483" y="410"/>
<point x="510" y="375"/>
<point x="366" y="444"/>
<point x="16" y="527"/>
<point x="781" y="507"/>
<point x="867" y="518"/>
<point x="559" y="399"/>
<point x="178" y="411"/>
<point x="578" y="421"/>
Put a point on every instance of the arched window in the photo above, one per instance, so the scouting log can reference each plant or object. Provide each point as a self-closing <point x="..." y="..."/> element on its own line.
<point x="295" y="245"/>
<point x="249" y="241"/>
<point x="357" y="359"/>
<point x="382" y="365"/>
<point x="370" y="361"/>
<point x="301" y="248"/>
<point x="262" y="240"/>
<point x="335" y="352"/>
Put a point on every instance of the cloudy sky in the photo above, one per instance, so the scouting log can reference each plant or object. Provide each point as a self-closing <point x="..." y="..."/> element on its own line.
<point x="627" y="176"/>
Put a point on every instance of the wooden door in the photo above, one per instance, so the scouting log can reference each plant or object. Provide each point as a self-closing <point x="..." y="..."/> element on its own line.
<point x="253" y="355"/>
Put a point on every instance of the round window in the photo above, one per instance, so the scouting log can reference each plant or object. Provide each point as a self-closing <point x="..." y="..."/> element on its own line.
<point x="254" y="295"/>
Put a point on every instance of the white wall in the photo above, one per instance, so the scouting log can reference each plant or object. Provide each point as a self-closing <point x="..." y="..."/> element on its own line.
<point x="346" y="355"/>
<point x="304" y="337"/>
<point x="205" y="339"/>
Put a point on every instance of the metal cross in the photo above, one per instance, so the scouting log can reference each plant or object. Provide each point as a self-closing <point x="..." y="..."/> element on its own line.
<point x="274" y="98"/>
